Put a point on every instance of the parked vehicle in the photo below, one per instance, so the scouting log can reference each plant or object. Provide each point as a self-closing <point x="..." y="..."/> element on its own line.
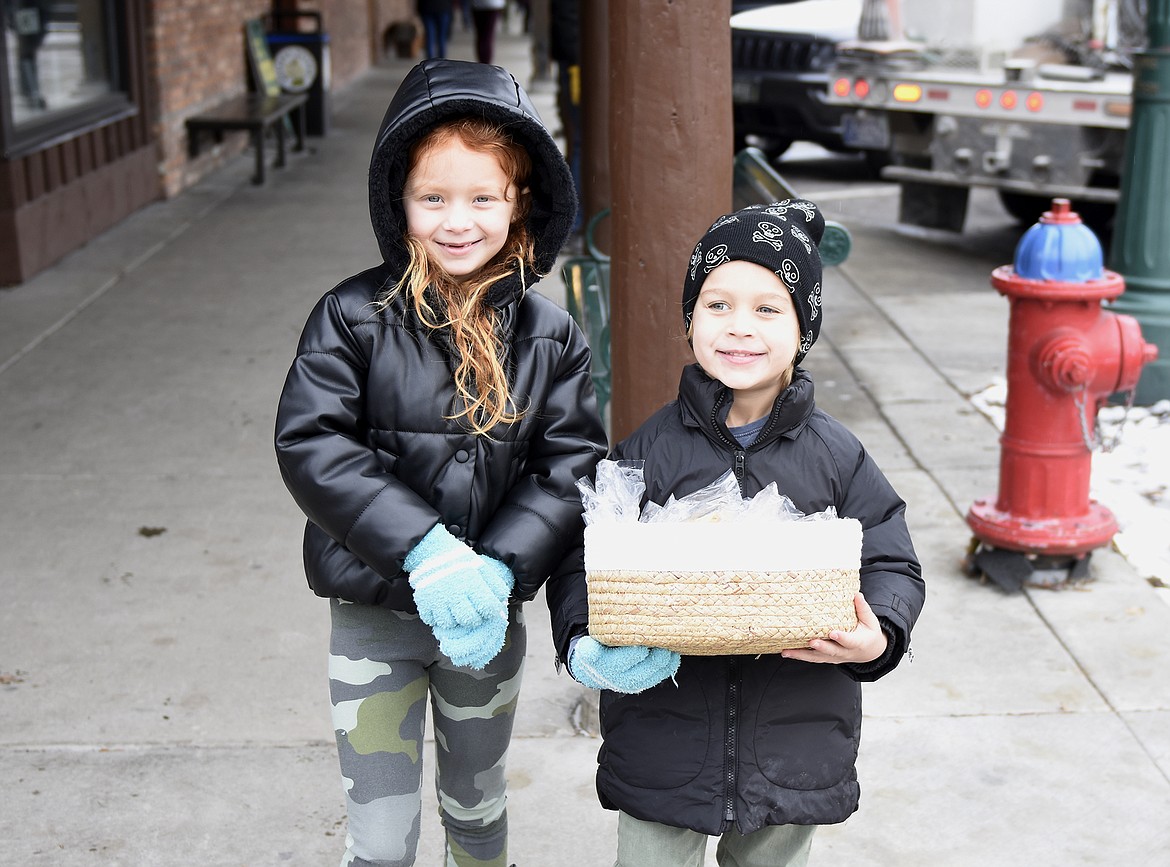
<point x="1032" y="100"/>
<point x="781" y="55"/>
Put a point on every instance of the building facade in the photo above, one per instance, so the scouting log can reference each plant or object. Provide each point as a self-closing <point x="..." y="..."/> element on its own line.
<point x="94" y="95"/>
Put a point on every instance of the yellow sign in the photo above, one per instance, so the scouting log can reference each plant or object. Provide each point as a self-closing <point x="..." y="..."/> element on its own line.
<point x="261" y="58"/>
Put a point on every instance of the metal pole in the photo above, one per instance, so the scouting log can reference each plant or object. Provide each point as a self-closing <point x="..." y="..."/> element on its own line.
<point x="1139" y="250"/>
<point x="670" y="149"/>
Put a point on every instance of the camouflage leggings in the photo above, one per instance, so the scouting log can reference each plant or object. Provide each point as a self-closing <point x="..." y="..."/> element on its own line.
<point x="382" y="665"/>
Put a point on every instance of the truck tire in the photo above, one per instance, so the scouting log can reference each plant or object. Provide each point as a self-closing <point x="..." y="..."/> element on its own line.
<point x="875" y="161"/>
<point x="1027" y="209"/>
<point x="772" y="146"/>
<point x="1023" y="208"/>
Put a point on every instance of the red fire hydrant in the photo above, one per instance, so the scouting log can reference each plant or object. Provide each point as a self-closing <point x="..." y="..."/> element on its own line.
<point x="1066" y="356"/>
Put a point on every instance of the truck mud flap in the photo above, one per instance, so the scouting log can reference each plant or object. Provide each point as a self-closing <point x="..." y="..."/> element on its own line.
<point x="933" y="206"/>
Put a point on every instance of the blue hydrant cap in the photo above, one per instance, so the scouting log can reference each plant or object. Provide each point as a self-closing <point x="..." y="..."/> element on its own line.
<point x="1060" y="247"/>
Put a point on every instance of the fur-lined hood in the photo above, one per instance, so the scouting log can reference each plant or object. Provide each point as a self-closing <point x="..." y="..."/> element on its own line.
<point x="438" y="90"/>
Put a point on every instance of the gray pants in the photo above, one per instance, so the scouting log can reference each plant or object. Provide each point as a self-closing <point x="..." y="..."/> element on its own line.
<point x="648" y="844"/>
<point x="382" y="666"/>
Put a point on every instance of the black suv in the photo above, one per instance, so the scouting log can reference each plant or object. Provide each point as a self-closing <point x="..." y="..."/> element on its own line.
<point x="780" y="57"/>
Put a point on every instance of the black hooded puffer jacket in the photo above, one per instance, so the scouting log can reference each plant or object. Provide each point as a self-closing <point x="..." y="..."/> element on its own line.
<point x="361" y="435"/>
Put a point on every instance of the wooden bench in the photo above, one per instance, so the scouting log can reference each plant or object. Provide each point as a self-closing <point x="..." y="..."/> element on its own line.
<point x="256" y="114"/>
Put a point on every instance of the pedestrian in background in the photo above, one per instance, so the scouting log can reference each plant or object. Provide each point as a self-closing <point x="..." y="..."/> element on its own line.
<point x="756" y="750"/>
<point x="436" y="18"/>
<point x="565" y="48"/>
<point x="485" y="15"/>
<point x="432" y="427"/>
<point x="29" y="19"/>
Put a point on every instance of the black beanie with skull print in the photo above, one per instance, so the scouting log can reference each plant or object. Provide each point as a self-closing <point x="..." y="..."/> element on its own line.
<point x="783" y="238"/>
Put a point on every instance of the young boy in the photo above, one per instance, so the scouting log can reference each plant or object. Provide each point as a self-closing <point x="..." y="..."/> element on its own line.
<point x="757" y="750"/>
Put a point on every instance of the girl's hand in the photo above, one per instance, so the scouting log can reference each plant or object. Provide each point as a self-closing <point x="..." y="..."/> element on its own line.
<point x="864" y="644"/>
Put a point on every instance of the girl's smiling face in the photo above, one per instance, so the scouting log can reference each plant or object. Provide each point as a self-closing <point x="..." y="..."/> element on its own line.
<point x="459" y="204"/>
<point x="745" y="334"/>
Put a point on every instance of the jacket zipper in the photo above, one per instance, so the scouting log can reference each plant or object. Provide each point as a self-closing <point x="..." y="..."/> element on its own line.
<point x="740" y="466"/>
<point x="730" y="745"/>
<point x="739" y="451"/>
<point x="730" y="742"/>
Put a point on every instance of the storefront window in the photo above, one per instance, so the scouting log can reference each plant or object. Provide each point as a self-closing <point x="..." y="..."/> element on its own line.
<point x="60" y="62"/>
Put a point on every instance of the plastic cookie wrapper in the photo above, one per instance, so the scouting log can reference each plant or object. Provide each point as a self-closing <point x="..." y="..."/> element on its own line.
<point x="617" y="493"/>
<point x="620" y="487"/>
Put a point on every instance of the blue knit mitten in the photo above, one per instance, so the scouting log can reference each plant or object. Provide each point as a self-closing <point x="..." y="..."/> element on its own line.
<point x="498" y="576"/>
<point x="473" y="646"/>
<point x="620" y="669"/>
<point x="448" y="584"/>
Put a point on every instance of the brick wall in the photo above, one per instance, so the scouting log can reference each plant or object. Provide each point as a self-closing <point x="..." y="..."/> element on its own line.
<point x="196" y="50"/>
<point x="348" y="25"/>
<point x="356" y="31"/>
<point x="384" y="13"/>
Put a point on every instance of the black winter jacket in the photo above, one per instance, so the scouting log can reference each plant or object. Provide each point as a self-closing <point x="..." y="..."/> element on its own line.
<point x="750" y="741"/>
<point x="361" y="437"/>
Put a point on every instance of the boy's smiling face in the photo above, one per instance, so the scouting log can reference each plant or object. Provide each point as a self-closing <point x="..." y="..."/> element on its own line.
<point x="745" y="334"/>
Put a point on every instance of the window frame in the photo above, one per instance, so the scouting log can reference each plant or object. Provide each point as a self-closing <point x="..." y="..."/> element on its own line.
<point x="42" y="134"/>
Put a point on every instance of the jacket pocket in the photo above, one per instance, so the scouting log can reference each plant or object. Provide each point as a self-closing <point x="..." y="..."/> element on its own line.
<point x="808" y="727"/>
<point x="651" y="740"/>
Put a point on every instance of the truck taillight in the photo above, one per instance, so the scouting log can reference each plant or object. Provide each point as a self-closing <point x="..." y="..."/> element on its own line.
<point x="983" y="98"/>
<point x="841" y="87"/>
<point x="907" y="92"/>
<point x="1034" y="102"/>
<point x="861" y="88"/>
<point x="1008" y="99"/>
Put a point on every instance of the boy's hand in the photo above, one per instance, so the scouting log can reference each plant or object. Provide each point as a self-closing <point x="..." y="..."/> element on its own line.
<point x="620" y="669"/>
<point x="864" y="644"/>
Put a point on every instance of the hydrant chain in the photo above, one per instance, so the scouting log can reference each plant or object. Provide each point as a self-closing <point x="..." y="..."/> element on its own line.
<point x="1094" y="439"/>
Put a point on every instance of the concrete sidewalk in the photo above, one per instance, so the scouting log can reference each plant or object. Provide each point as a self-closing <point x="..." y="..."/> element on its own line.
<point x="163" y="693"/>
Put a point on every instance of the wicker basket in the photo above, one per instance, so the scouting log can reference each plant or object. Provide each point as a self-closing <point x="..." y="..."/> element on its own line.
<point x="716" y="589"/>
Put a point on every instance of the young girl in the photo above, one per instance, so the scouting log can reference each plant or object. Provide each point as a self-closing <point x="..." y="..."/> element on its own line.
<point x="755" y="749"/>
<point x="432" y="428"/>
